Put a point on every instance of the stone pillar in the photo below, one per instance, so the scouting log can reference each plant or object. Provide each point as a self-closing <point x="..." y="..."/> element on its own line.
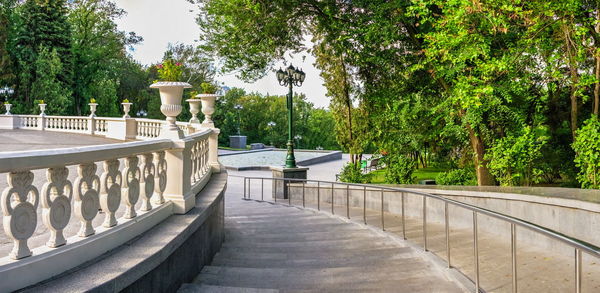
<point x="92" y="124"/>
<point x="122" y="129"/>
<point x="9" y="121"/>
<point x="179" y="171"/>
<point x="41" y="122"/>
<point x="213" y="150"/>
<point x="280" y="187"/>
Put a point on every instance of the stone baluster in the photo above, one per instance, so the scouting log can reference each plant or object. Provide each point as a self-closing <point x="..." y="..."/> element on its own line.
<point x="56" y="202"/>
<point x="193" y="157"/>
<point x="110" y="191"/>
<point x="19" y="203"/>
<point x="86" y="197"/>
<point x="131" y="186"/>
<point x="147" y="181"/>
<point x="160" y="178"/>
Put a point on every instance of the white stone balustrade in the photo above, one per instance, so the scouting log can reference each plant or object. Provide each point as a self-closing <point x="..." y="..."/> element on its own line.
<point x="164" y="174"/>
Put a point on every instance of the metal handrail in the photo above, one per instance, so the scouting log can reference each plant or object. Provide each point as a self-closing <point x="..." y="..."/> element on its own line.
<point x="576" y="244"/>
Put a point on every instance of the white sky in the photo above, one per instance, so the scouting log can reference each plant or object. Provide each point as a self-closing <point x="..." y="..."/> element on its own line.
<point x="161" y="22"/>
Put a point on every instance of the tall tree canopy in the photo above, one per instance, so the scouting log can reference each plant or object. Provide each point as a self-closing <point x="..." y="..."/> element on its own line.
<point x="486" y="83"/>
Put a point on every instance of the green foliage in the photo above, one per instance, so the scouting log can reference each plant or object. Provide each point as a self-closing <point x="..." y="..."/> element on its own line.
<point x="352" y="173"/>
<point x="399" y="169"/>
<point x="48" y="85"/>
<point x="170" y="70"/>
<point x="457" y="177"/>
<point x="514" y="160"/>
<point x="587" y="150"/>
<point x="209" y="88"/>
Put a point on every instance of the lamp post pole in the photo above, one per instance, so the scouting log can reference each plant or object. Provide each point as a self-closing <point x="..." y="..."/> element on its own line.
<point x="238" y="107"/>
<point x="290" y="77"/>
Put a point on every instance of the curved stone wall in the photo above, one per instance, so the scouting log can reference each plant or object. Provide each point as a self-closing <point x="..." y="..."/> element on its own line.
<point x="574" y="218"/>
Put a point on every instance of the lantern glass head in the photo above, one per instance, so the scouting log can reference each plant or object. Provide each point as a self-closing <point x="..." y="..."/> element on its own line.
<point x="290" y="70"/>
<point x="280" y="75"/>
<point x="302" y="76"/>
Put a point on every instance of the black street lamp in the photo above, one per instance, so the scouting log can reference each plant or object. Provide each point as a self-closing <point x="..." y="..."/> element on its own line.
<point x="290" y="77"/>
<point x="238" y="107"/>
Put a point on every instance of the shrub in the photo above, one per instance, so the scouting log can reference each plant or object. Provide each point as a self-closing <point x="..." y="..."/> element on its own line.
<point x="457" y="177"/>
<point x="209" y="88"/>
<point x="587" y="153"/>
<point x="352" y="173"/>
<point x="399" y="169"/>
<point x="515" y="160"/>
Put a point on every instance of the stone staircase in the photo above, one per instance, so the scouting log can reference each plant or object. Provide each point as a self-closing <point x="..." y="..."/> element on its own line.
<point x="276" y="248"/>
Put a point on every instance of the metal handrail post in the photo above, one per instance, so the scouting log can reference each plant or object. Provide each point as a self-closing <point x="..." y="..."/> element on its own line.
<point x="245" y="187"/>
<point x="289" y="189"/>
<point x="262" y="189"/>
<point x="249" y="187"/>
<point x="275" y="181"/>
<point x="577" y="270"/>
<point x="425" y="223"/>
<point x="303" y="194"/>
<point x="382" y="215"/>
<point x="447" y="226"/>
<point x="365" y="204"/>
<point x="318" y="195"/>
<point x="403" y="219"/>
<point x="476" y="252"/>
<point x="513" y="249"/>
<point x="348" y="201"/>
<point x="332" y="190"/>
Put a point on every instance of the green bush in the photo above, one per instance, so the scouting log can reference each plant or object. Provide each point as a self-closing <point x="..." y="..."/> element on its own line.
<point x="352" y="173"/>
<point x="516" y="160"/>
<point x="457" y="177"/>
<point x="587" y="154"/>
<point x="399" y="169"/>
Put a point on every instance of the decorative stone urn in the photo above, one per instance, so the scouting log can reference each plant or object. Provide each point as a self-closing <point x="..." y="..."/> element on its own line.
<point x="208" y="108"/>
<point x="170" y="99"/>
<point x="42" y="109"/>
<point x="7" y="106"/>
<point x="93" y="109"/>
<point x="194" y="109"/>
<point x="126" y="109"/>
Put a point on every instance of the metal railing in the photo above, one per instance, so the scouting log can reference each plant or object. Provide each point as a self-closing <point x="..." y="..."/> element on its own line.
<point x="577" y="245"/>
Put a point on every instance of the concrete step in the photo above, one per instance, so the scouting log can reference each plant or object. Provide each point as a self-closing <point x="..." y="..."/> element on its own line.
<point x="301" y="247"/>
<point x="249" y="224"/>
<point x="323" y="278"/>
<point x="355" y="260"/>
<point x="291" y="229"/>
<point x="316" y="244"/>
<point x="203" y="288"/>
<point x="305" y="236"/>
<point x="326" y="255"/>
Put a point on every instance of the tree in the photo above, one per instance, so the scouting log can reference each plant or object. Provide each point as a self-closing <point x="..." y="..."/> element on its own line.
<point x="98" y="49"/>
<point x="41" y="24"/>
<point x="47" y="86"/>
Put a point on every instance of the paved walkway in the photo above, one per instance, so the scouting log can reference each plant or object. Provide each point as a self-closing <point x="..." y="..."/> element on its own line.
<point x="275" y="248"/>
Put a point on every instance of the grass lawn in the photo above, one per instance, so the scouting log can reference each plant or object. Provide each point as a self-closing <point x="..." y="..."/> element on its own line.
<point x="378" y="176"/>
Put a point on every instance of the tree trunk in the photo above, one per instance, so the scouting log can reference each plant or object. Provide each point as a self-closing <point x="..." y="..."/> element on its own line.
<point x="570" y="48"/>
<point x="484" y="177"/>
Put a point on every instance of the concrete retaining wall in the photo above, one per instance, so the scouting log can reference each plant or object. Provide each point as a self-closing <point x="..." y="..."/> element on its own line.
<point x="574" y="218"/>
